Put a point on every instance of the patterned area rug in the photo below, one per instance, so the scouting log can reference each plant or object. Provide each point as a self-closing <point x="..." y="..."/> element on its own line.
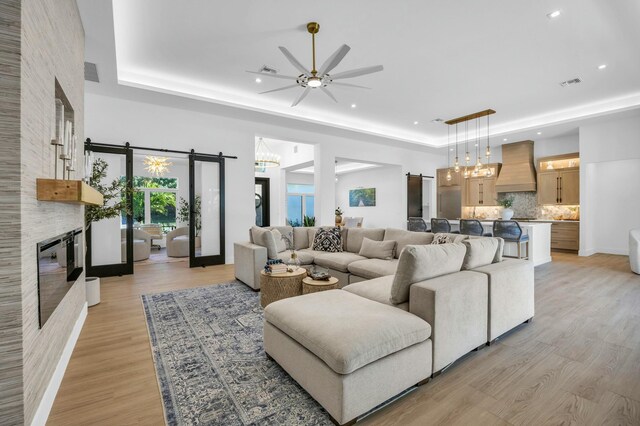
<point x="210" y="362"/>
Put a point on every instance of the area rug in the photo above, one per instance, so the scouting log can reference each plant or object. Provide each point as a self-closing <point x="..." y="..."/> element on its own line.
<point x="210" y="362"/>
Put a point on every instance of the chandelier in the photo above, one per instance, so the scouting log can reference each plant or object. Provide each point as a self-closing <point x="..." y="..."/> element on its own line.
<point x="469" y="170"/>
<point x="157" y="166"/>
<point x="265" y="157"/>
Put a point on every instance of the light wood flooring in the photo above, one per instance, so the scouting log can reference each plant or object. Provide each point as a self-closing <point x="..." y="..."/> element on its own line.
<point x="577" y="363"/>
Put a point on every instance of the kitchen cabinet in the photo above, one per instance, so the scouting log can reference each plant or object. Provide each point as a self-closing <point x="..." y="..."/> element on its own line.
<point x="481" y="191"/>
<point x="565" y="236"/>
<point x="442" y="181"/>
<point x="559" y="180"/>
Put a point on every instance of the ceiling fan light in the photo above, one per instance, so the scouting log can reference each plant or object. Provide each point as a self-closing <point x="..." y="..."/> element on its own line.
<point x="314" y="82"/>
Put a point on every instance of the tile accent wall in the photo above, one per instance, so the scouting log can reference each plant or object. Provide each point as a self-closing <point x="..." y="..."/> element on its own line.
<point x="42" y="40"/>
<point x="11" y="403"/>
<point x="525" y="205"/>
<point x="52" y="48"/>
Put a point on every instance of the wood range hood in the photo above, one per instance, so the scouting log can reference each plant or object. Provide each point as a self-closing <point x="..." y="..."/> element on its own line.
<point x="518" y="173"/>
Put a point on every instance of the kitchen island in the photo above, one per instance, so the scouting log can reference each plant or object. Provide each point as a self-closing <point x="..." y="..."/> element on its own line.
<point x="539" y="239"/>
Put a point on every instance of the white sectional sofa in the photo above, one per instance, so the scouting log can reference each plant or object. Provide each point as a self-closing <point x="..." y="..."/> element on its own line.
<point x="354" y="348"/>
<point x="348" y="266"/>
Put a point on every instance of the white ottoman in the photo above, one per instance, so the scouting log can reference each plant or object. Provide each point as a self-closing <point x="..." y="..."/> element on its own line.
<point x="634" y="250"/>
<point x="349" y="353"/>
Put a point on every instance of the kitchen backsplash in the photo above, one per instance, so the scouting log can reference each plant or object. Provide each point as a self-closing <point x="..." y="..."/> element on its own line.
<point x="525" y="205"/>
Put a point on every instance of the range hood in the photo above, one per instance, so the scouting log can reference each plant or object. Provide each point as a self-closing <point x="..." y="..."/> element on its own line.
<point x="518" y="173"/>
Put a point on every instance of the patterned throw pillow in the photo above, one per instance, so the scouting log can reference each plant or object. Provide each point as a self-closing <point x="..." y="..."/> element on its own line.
<point x="442" y="239"/>
<point x="328" y="239"/>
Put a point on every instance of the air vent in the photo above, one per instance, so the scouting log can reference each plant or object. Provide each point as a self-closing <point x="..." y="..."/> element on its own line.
<point x="570" y="82"/>
<point x="91" y="72"/>
<point x="437" y="120"/>
<point x="268" y="69"/>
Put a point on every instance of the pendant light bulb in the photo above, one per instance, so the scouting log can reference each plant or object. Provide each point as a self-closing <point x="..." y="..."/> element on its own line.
<point x="467" y="158"/>
<point x="479" y="163"/>
<point x="449" y="175"/>
<point x="466" y="173"/>
<point x="488" y="152"/>
<point x="489" y="172"/>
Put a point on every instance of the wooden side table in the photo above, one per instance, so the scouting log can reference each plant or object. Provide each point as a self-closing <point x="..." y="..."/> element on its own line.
<point x="274" y="287"/>
<point x="309" y="285"/>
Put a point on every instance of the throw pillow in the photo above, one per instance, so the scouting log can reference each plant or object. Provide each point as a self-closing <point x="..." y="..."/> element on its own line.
<point x="328" y="239"/>
<point x="480" y="252"/>
<point x="281" y="244"/>
<point x="264" y="237"/>
<point x="500" y="250"/>
<point x="419" y="263"/>
<point x="442" y="239"/>
<point x="377" y="249"/>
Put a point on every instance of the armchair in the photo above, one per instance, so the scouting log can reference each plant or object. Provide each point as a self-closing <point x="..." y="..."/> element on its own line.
<point x="141" y="245"/>
<point x="178" y="242"/>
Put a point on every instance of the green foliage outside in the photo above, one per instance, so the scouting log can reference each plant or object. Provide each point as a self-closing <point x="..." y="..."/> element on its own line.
<point x="306" y="221"/>
<point x="163" y="204"/>
<point x="183" y="212"/>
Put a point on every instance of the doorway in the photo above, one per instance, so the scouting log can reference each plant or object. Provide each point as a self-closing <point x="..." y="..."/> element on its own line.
<point x="419" y="192"/>
<point x="262" y="202"/>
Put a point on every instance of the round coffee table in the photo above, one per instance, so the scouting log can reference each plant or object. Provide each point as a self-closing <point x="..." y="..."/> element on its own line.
<point x="274" y="287"/>
<point x="309" y="285"/>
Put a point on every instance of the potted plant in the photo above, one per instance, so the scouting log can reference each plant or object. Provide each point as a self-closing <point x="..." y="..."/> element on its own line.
<point x="338" y="216"/>
<point x="309" y="221"/>
<point x="184" y="215"/>
<point x="507" y="203"/>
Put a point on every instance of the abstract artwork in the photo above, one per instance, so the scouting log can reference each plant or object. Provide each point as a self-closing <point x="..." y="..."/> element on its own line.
<point x="362" y="197"/>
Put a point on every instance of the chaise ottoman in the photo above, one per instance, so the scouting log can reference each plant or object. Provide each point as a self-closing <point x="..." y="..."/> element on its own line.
<point x="349" y="353"/>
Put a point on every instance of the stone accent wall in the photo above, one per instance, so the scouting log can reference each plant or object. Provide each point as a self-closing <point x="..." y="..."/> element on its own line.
<point x="41" y="41"/>
<point x="11" y="404"/>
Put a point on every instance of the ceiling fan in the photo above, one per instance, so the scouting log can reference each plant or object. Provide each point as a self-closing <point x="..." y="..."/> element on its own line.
<point x="319" y="79"/>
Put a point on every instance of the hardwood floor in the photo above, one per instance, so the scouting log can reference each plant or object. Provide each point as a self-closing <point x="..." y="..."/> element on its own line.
<point x="577" y="363"/>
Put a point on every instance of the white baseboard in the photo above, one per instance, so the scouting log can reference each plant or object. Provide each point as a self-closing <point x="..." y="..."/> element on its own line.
<point x="543" y="261"/>
<point x="604" y="250"/>
<point x="587" y="253"/>
<point x="42" y="413"/>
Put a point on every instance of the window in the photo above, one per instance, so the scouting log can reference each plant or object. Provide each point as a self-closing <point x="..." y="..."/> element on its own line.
<point x="154" y="201"/>
<point x="300" y="204"/>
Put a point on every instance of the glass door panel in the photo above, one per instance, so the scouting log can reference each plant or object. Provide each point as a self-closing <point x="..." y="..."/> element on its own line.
<point x="110" y="248"/>
<point x="206" y="194"/>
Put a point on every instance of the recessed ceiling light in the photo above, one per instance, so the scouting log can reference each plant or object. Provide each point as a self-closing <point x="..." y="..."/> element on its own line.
<point x="504" y="140"/>
<point x="476" y="145"/>
<point x="415" y="122"/>
<point x="258" y="80"/>
<point x="450" y="149"/>
<point x="601" y="67"/>
<point x="539" y="133"/>
<point x="553" y="14"/>
<point x="353" y="105"/>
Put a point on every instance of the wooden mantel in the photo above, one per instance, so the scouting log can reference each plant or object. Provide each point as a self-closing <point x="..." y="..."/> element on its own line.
<point x="68" y="191"/>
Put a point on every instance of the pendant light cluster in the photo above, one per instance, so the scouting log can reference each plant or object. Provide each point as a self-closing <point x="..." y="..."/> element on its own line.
<point x="479" y="168"/>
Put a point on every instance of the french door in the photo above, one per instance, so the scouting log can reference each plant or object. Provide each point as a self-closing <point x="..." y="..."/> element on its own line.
<point x="206" y="201"/>
<point x="110" y="241"/>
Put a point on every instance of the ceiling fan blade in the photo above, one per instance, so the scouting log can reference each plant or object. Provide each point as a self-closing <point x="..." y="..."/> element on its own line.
<point x="333" y="60"/>
<point x="266" y="74"/>
<point x="357" y="72"/>
<point x="329" y="94"/>
<point x="304" y="93"/>
<point x="282" y="88"/>
<point x="293" y="61"/>
<point x="350" y="85"/>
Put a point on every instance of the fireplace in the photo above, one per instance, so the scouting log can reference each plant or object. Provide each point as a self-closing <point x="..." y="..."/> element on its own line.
<point x="59" y="266"/>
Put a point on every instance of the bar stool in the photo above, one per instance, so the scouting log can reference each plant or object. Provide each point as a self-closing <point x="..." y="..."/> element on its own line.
<point x="439" y="225"/>
<point x="416" y="224"/>
<point x="511" y="232"/>
<point x="473" y="227"/>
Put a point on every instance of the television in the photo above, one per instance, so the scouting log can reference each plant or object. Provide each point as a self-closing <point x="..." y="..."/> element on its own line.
<point x="60" y="264"/>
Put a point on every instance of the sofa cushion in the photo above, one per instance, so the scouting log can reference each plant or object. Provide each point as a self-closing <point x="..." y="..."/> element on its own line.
<point x="300" y="238"/>
<point x="419" y="263"/>
<point x="373" y="268"/>
<point x="403" y="238"/>
<point x="480" y="252"/>
<point x="354" y="331"/>
<point x="377" y="249"/>
<point x="356" y="235"/>
<point x="328" y="239"/>
<point x="304" y="256"/>
<point x="264" y="237"/>
<point x="378" y="290"/>
<point x="338" y="261"/>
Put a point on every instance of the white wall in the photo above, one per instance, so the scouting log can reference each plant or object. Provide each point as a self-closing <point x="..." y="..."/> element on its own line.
<point x="389" y="211"/>
<point x="541" y="148"/>
<point x="152" y="123"/>
<point x="610" y="184"/>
